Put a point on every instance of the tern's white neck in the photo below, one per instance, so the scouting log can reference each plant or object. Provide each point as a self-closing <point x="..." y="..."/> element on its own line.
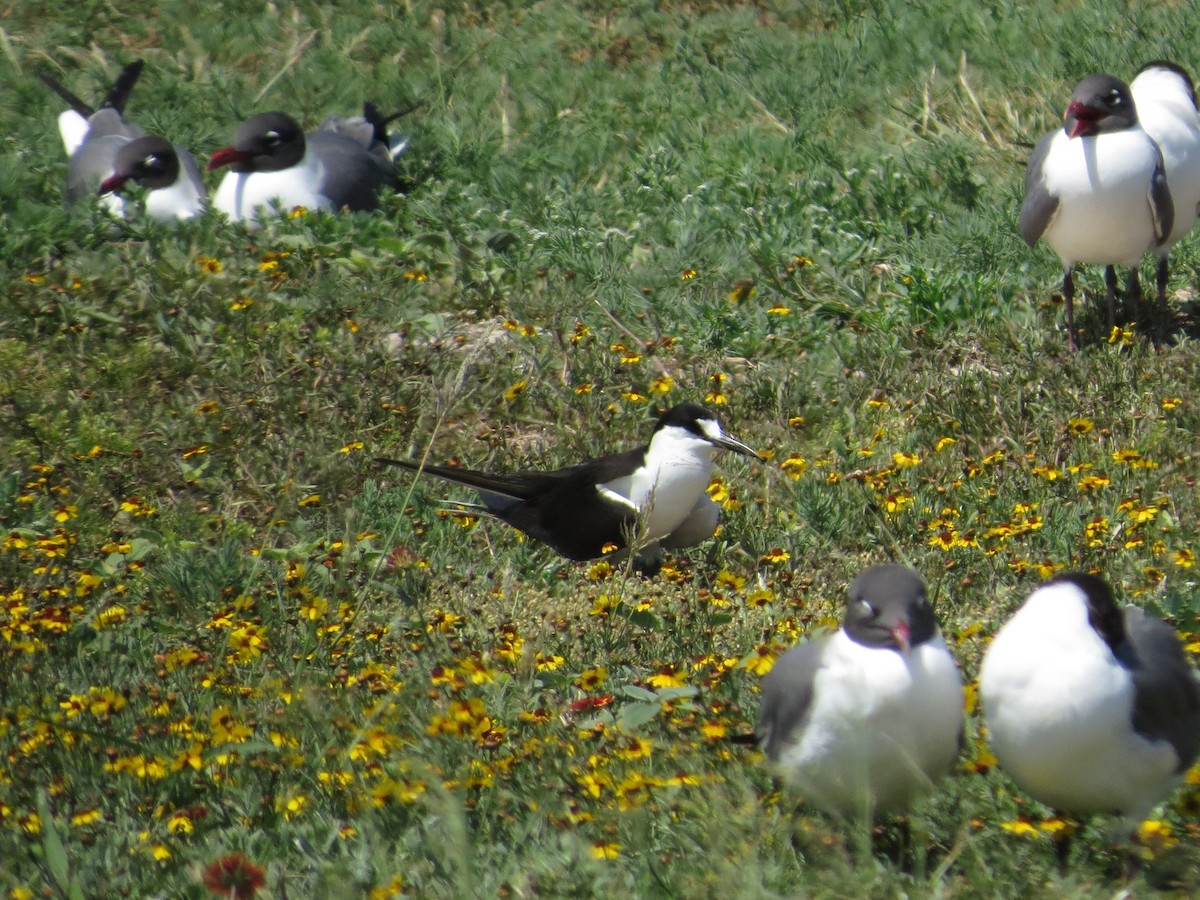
<point x="674" y="474"/>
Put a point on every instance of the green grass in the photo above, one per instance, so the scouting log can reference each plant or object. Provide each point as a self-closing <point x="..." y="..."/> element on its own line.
<point x="222" y="630"/>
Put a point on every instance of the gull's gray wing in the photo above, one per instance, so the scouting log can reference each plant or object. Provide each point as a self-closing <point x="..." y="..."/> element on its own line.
<point x="1162" y="207"/>
<point x="354" y="175"/>
<point x="1166" y="703"/>
<point x="1040" y="205"/>
<point x="191" y="170"/>
<point x="787" y="695"/>
<point x="107" y="133"/>
<point x="357" y="128"/>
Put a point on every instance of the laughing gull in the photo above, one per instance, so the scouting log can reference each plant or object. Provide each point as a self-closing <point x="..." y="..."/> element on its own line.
<point x="654" y="494"/>
<point x="170" y="172"/>
<point x="1166" y="107"/>
<point x="105" y="151"/>
<point x="1089" y="708"/>
<point x="343" y="164"/>
<point x="864" y="720"/>
<point x="1096" y="190"/>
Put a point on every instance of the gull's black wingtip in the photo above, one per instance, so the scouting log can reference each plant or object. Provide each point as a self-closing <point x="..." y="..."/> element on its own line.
<point x="118" y="96"/>
<point x="61" y="89"/>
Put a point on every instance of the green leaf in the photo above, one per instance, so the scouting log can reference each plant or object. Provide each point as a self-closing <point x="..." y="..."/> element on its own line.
<point x="635" y="715"/>
<point x="677" y="693"/>
<point x="140" y="548"/>
<point x="636" y="692"/>
<point x="603" y="718"/>
<point x="501" y="241"/>
<point x="56" y="854"/>
<point x="642" y="618"/>
<point x="294" y="241"/>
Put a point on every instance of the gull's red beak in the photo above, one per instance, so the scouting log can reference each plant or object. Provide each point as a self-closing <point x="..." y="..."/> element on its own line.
<point x="112" y="184"/>
<point x="1085" y="119"/>
<point x="226" y="156"/>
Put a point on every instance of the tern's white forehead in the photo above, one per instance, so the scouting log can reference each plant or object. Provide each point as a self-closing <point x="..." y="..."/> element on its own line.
<point x="710" y="428"/>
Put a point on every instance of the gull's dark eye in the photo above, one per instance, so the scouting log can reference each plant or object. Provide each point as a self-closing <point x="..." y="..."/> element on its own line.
<point x="152" y="162"/>
<point x="868" y="609"/>
<point x="273" y="137"/>
<point x="1113" y="98"/>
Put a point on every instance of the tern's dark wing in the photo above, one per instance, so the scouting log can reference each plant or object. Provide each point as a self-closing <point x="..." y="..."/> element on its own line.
<point x="562" y="508"/>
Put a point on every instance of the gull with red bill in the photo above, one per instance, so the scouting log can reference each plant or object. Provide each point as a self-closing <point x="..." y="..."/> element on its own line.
<point x="105" y="152"/>
<point x="863" y="721"/>
<point x="1096" y="190"/>
<point x="171" y="174"/>
<point x="274" y="165"/>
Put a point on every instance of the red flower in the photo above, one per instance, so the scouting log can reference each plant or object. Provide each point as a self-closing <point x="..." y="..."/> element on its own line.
<point x="590" y="703"/>
<point x="234" y="876"/>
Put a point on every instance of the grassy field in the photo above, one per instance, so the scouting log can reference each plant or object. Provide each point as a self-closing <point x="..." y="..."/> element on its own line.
<point x="232" y="649"/>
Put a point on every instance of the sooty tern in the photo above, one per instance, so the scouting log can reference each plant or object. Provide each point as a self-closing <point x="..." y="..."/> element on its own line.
<point x="654" y="494"/>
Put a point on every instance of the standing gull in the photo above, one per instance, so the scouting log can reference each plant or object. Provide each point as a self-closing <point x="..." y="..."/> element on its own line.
<point x="1090" y="708"/>
<point x="1166" y="107"/>
<point x="1096" y="190"/>
<point x="863" y="721"/>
